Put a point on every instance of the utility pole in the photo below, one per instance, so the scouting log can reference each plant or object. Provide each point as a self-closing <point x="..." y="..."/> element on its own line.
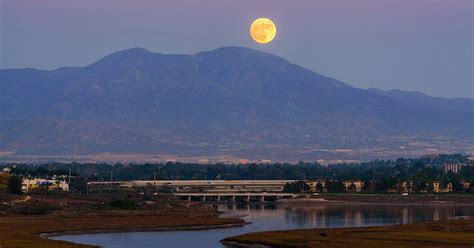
<point x="154" y="182"/>
<point x="69" y="176"/>
<point x="111" y="180"/>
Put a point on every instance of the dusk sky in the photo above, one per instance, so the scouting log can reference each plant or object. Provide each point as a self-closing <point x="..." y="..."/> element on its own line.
<point x="420" y="45"/>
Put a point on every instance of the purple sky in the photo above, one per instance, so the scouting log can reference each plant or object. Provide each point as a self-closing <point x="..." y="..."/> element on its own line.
<point x="422" y="45"/>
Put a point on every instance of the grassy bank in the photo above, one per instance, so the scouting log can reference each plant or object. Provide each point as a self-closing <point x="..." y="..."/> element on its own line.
<point x="446" y="234"/>
<point x="82" y="214"/>
<point x="467" y="199"/>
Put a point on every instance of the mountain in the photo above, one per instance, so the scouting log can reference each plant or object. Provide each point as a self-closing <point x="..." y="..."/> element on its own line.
<point x="230" y="101"/>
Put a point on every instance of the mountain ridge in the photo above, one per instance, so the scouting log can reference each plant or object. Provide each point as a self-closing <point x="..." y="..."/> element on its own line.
<point x="230" y="100"/>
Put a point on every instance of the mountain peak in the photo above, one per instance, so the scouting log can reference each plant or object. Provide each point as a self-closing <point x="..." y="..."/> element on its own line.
<point x="235" y="51"/>
<point x="134" y="50"/>
<point x="124" y="57"/>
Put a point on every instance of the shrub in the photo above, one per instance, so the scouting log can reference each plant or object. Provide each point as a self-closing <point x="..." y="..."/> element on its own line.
<point x="122" y="203"/>
<point x="34" y="208"/>
<point x="14" y="185"/>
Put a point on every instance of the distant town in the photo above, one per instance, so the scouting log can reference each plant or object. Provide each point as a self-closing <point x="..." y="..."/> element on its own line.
<point x="429" y="174"/>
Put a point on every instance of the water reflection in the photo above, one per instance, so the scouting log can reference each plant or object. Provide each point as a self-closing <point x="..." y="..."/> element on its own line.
<point x="352" y="215"/>
<point x="281" y="217"/>
<point x="370" y="215"/>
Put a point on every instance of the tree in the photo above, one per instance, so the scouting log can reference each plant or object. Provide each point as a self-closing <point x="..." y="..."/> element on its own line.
<point x="430" y="187"/>
<point x="319" y="187"/>
<point x="421" y="185"/>
<point x="14" y="185"/>
<point x="457" y="186"/>
<point x="385" y="184"/>
<point x="368" y="186"/>
<point x="335" y="186"/>
<point x="296" y="187"/>
<point x="78" y="184"/>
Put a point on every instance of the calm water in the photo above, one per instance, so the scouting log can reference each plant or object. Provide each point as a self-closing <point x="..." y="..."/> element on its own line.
<point x="278" y="218"/>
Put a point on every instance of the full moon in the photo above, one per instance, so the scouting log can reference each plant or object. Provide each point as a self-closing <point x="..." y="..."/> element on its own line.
<point x="263" y="30"/>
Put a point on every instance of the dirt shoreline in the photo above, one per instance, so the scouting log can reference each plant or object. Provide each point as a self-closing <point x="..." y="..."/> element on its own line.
<point x="30" y="223"/>
<point x="163" y="229"/>
<point x="34" y="231"/>
<point x="440" y="234"/>
<point x="242" y="245"/>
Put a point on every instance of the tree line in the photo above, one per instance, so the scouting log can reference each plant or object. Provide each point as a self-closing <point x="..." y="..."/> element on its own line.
<point x="381" y="174"/>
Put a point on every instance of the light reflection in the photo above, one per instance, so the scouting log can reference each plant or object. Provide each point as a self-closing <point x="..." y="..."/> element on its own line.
<point x="350" y="215"/>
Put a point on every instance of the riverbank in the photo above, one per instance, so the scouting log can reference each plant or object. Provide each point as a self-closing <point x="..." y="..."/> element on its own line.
<point x="20" y="230"/>
<point x="446" y="234"/>
<point x="467" y="199"/>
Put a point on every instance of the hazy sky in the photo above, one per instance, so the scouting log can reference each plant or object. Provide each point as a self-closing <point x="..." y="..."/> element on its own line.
<point x="422" y="45"/>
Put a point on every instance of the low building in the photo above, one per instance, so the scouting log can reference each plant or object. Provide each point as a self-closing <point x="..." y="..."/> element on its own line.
<point x="49" y="184"/>
<point x="437" y="187"/>
<point x="448" y="188"/>
<point x="407" y="187"/>
<point x="440" y="188"/>
<point x="466" y="185"/>
<point x="353" y="185"/>
<point x="452" y="167"/>
<point x="6" y="171"/>
<point x="317" y="186"/>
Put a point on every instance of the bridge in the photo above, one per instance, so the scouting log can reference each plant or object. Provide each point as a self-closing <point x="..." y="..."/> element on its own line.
<point x="246" y="197"/>
<point x="205" y="190"/>
<point x="220" y="186"/>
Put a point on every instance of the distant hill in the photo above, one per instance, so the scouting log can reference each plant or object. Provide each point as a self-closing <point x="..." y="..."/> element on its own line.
<point x="234" y="101"/>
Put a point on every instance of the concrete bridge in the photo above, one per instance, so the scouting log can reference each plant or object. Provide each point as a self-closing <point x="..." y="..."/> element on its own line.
<point x="204" y="186"/>
<point x="206" y="190"/>
<point x="233" y="197"/>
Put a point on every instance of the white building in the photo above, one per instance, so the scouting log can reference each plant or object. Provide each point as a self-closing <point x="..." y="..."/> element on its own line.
<point x="50" y="184"/>
<point x="452" y="167"/>
<point x="6" y="170"/>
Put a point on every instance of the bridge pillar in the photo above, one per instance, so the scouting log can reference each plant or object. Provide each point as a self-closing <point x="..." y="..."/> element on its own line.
<point x="233" y="198"/>
<point x="189" y="198"/>
<point x="262" y="198"/>
<point x="203" y="198"/>
<point x="218" y="198"/>
<point x="247" y="199"/>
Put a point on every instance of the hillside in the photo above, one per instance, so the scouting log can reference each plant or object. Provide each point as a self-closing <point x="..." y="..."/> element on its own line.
<point x="230" y="101"/>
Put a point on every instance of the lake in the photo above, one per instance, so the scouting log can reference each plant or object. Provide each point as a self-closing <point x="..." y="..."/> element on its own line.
<point x="277" y="217"/>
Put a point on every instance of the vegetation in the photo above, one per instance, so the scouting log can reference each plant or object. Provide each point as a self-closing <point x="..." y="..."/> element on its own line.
<point x="443" y="234"/>
<point x="14" y="185"/>
<point x="4" y="183"/>
<point x="22" y="222"/>
<point x="34" y="208"/>
<point x="296" y="187"/>
<point x="377" y="175"/>
<point x="122" y="203"/>
<point x="335" y="186"/>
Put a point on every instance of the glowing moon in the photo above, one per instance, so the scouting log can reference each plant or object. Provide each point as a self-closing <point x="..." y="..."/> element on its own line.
<point x="263" y="30"/>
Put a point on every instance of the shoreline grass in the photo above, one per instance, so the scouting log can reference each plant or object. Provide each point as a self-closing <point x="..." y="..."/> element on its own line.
<point x="442" y="234"/>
